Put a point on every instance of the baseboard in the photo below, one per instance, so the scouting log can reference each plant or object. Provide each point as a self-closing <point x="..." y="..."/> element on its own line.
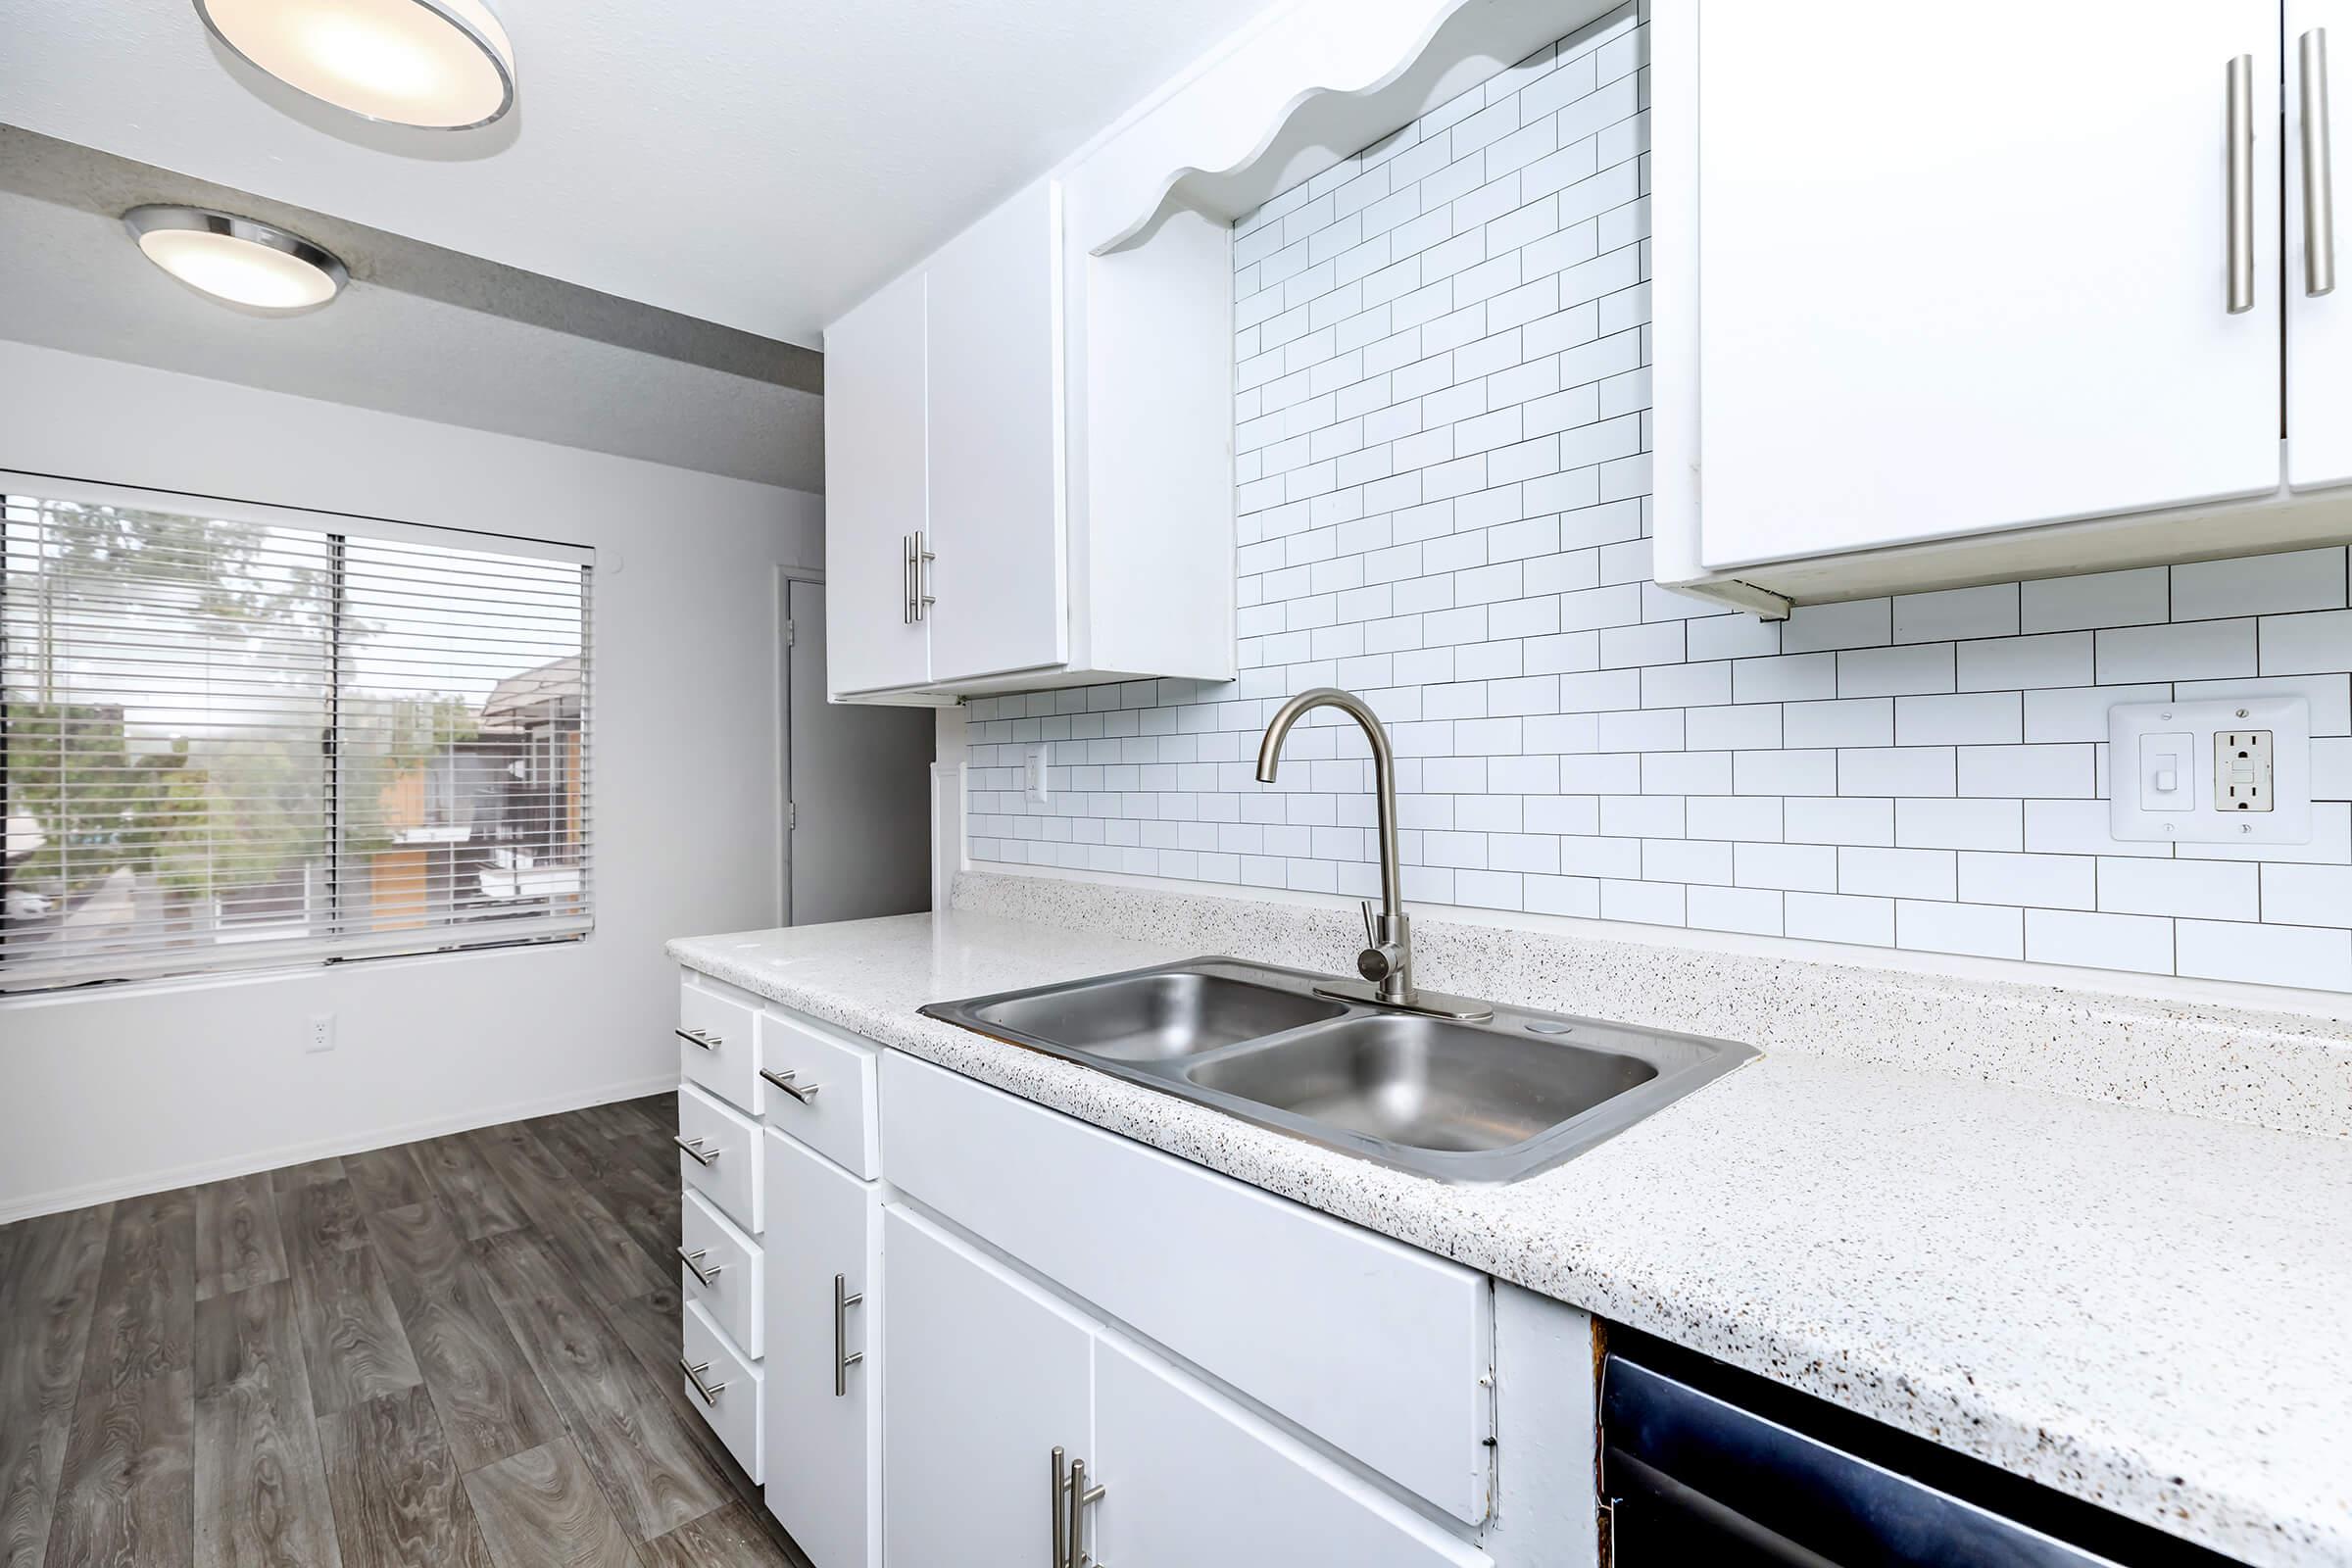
<point x="164" y="1180"/>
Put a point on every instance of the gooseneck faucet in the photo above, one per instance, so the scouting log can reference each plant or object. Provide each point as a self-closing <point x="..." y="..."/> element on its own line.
<point x="1386" y="960"/>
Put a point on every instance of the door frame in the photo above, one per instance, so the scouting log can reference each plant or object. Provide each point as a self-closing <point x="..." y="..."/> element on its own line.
<point x="781" y="591"/>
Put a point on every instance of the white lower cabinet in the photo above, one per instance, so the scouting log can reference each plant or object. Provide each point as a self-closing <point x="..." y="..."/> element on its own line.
<point x="991" y="1376"/>
<point x="988" y="1374"/>
<point x="1190" y="1478"/>
<point x="824" y="1441"/>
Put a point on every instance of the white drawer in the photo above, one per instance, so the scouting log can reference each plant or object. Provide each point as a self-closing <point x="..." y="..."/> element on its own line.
<point x="724" y="1388"/>
<point x="718" y="1154"/>
<point x="1381" y="1350"/>
<point x="722" y="1270"/>
<point x="820" y="1087"/>
<point x="718" y="1043"/>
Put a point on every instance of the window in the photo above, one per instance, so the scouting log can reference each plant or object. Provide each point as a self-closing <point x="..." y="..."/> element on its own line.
<point x="237" y="736"/>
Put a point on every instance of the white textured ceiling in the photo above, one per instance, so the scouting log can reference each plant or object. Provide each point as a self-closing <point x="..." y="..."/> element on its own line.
<point x="763" y="164"/>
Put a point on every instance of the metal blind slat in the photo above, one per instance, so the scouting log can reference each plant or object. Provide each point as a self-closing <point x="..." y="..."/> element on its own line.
<point x="230" y="741"/>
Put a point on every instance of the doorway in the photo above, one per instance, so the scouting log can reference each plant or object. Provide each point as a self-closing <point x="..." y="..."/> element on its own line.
<point x="856" y="786"/>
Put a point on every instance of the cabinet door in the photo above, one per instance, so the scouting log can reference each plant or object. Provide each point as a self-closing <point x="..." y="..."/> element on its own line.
<point x="874" y="489"/>
<point x="1962" y="276"/>
<point x="2319" y="327"/>
<point x="996" y="446"/>
<point x="823" y="1448"/>
<point x="1190" y="1478"/>
<point x="986" y="1377"/>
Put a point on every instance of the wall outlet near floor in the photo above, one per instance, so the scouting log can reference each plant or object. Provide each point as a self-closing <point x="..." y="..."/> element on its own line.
<point x="2213" y="770"/>
<point x="1033" y="773"/>
<point x="319" y="1034"/>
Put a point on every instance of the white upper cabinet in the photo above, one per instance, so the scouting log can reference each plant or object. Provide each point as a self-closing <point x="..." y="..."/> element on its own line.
<point x="995" y="417"/>
<point x="874" y="490"/>
<point x="977" y="544"/>
<point x="2318" y="322"/>
<point x="1947" y="300"/>
<point x="1956" y="277"/>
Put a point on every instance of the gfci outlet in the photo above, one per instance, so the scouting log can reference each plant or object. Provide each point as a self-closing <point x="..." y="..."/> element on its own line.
<point x="2241" y="771"/>
<point x="2215" y="770"/>
<point x="1033" y="773"/>
<point x="320" y="1034"/>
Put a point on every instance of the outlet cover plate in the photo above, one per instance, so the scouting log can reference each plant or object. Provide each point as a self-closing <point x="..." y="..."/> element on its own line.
<point x="2142" y="738"/>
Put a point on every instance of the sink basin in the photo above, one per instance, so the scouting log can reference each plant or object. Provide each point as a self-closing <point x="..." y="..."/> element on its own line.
<point x="1423" y="1083"/>
<point x="1156" y="1017"/>
<point x="1491" y="1100"/>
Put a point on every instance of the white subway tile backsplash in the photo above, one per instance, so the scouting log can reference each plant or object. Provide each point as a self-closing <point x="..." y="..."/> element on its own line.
<point x="1441" y="479"/>
<point x="2260" y="585"/>
<point x="2269" y="955"/>
<point x="2209" y="650"/>
<point x="2135" y="598"/>
<point x="2099" y="941"/>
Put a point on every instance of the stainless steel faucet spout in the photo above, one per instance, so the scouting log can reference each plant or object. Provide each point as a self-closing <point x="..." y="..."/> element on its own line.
<point x="1384" y="775"/>
<point x="1386" y="960"/>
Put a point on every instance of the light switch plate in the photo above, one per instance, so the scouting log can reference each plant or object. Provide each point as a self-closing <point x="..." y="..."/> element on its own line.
<point x="2168" y="779"/>
<point x="1033" y="774"/>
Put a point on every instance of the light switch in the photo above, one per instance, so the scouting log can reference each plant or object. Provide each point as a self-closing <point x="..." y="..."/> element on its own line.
<point x="2166" y="783"/>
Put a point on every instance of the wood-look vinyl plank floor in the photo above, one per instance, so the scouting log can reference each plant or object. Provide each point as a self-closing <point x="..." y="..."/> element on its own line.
<point x="399" y="1500"/>
<point x="542" y="1506"/>
<point x="458" y="1351"/>
<point x="48" y="1289"/>
<point x="642" y="1452"/>
<point x="238" y="1240"/>
<point x="261" y="1496"/>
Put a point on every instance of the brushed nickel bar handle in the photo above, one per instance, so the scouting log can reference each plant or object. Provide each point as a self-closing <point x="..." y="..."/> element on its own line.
<point x="1053" y="1513"/>
<point x="691" y="1148"/>
<point x="842" y="1299"/>
<point x="924" y="597"/>
<point x="1081" y="1494"/>
<point x="699" y="1036"/>
<point x="906" y="578"/>
<point x="2241" y="185"/>
<point x="804" y="1092"/>
<point x="2318" y="177"/>
<point x="694" y="1371"/>
<point x="694" y="1265"/>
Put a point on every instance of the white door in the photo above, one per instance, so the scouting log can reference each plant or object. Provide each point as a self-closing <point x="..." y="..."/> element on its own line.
<point x="823" y="1449"/>
<point x="987" y="1376"/>
<point x="2319" y="327"/>
<point x="1189" y="1478"/>
<point x="1967" y="272"/>
<point x="858" y="780"/>
<point x="995" y="453"/>
<point x="874" y="488"/>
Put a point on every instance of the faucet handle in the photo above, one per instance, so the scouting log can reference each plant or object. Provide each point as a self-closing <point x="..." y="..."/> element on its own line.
<point x="1371" y="931"/>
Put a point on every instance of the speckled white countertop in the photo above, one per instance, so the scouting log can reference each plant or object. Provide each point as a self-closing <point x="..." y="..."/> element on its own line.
<point x="2148" y="1310"/>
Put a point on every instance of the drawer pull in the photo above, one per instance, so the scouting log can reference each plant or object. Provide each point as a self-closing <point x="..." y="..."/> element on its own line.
<point x="783" y="1080"/>
<point x="700" y="1037"/>
<point x="694" y="1265"/>
<point x="842" y="1299"/>
<point x="693" y="1149"/>
<point x="694" y="1371"/>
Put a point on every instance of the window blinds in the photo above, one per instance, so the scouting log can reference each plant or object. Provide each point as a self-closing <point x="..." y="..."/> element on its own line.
<point x="235" y="740"/>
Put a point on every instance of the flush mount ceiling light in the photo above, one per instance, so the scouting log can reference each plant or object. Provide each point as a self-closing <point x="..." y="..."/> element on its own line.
<point x="236" y="258"/>
<point x="445" y="65"/>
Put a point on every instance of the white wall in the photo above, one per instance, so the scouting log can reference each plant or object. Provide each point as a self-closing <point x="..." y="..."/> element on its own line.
<point x="142" y="1087"/>
<point x="1443" y="464"/>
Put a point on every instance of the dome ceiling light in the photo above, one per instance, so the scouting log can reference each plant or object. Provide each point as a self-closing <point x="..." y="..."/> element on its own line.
<point x="240" y="260"/>
<point x="445" y="65"/>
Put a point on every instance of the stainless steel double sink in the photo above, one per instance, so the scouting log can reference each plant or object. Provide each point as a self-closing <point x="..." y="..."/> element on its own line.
<point x="1493" y="1100"/>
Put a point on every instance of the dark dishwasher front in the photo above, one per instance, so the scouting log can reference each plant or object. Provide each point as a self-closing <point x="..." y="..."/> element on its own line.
<point x="1705" y="1466"/>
